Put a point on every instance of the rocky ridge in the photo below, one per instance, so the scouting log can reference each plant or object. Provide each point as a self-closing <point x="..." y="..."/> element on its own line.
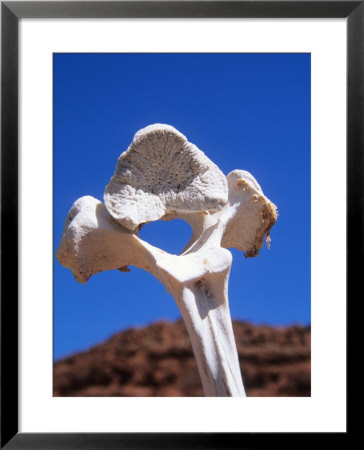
<point x="158" y="361"/>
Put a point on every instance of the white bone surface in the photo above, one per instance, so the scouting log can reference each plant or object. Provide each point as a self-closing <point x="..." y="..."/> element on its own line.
<point x="93" y="241"/>
<point x="161" y="172"/>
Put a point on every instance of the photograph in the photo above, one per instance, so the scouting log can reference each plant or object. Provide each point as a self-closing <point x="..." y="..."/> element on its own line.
<point x="181" y="191"/>
<point x="182" y="224"/>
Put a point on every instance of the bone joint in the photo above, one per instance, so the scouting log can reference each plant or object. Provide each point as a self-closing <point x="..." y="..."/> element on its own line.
<point x="162" y="176"/>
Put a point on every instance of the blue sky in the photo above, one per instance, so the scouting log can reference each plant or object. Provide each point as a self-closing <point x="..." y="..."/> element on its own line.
<point x="245" y="111"/>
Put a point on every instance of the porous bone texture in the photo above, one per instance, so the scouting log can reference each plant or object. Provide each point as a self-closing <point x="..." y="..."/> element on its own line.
<point x="162" y="173"/>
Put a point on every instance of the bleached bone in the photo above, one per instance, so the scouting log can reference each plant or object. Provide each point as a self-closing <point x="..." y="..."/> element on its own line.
<point x="243" y="222"/>
<point x="161" y="172"/>
<point x="93" y="241"/>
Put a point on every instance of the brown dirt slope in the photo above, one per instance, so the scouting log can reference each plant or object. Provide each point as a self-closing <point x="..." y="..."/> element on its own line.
<point x="158" y="361"/>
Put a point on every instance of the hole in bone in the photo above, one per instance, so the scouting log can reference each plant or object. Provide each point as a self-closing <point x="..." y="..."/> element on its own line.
<point x="204" y="299"/>
<point x="203" y="286"/>
<point x="170" y="236"/>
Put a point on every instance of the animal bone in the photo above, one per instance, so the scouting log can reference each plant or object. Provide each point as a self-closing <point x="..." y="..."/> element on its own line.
<point x="162" y="172"/>
<point x="93" y="241"/>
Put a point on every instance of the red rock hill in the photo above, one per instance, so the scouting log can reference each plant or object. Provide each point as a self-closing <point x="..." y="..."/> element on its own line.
<point x="158" y="361"/>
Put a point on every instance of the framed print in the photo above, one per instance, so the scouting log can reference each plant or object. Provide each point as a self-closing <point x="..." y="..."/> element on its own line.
<point x="58" y="61"/>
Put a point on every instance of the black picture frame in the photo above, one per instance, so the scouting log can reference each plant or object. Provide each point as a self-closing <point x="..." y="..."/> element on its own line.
<point x="11" y="12"/>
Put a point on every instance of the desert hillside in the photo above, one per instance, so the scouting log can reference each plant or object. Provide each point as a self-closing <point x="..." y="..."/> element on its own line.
<point x="158" y="361"/>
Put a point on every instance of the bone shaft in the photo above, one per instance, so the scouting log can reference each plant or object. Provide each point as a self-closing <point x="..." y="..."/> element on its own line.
<point x="213" y="342"/>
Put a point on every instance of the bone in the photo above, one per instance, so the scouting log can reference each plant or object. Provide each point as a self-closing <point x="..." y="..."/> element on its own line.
<point x="98" y="238"/>
<point x="161" y="173"/>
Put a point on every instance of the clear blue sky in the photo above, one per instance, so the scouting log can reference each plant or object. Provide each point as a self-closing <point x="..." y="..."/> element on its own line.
<point x="245" y="111"/>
